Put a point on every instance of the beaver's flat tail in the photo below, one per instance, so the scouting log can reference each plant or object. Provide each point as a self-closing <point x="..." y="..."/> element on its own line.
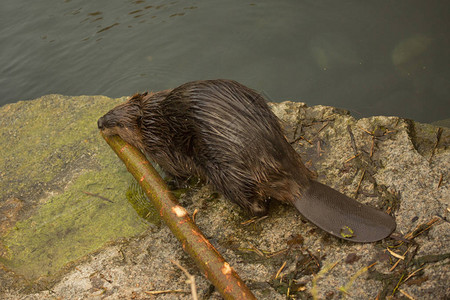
<point x="342" y="216"/>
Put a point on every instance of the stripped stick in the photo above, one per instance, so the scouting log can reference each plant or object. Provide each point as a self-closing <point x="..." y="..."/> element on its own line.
<point x="207" y="258"/>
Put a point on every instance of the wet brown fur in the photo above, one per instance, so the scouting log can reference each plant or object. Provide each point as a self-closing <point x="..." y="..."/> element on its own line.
<point x="218" y="130"/>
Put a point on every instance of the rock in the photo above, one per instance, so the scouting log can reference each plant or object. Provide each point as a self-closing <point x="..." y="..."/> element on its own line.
<point x="71" y="233"/>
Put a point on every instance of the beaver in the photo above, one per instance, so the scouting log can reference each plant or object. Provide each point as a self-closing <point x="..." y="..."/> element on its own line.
<point x="226" y="134"/>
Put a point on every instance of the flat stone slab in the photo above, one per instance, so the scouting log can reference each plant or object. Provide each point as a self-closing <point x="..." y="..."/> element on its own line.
<point x="70" y="226"/>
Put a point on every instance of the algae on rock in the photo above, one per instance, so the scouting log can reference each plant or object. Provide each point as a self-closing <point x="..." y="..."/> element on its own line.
<point x="55" y="162"/>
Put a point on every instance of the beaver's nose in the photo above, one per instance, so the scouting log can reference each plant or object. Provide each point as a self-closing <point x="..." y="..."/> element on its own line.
<point x="101" y="123"/>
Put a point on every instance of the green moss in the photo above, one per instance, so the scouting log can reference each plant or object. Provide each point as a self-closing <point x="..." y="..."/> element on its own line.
<point x="70" y="225"/>
<point x="40" y="140"/>
<point x="63" y="171"/>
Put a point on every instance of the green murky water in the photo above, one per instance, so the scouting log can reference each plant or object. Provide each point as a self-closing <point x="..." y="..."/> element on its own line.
<point x="371" y="57"/>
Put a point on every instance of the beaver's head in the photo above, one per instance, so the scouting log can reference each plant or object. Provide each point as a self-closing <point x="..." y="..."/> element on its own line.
<point x="125" y="120"/>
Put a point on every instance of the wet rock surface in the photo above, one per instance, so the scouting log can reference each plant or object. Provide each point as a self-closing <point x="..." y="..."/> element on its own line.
<point x="59" y="239"/>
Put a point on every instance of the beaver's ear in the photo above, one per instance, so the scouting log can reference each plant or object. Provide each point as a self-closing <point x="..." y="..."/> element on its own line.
<point x="140" y="100"/>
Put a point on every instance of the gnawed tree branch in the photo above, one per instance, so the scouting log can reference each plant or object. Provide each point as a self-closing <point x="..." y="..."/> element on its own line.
<point x="207" y="258"/>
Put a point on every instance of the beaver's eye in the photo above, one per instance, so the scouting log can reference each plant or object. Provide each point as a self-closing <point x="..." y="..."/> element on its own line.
<point x="139" y="121"/>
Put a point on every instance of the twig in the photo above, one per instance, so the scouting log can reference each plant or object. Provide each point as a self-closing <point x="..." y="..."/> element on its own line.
<point x="316" y="277"/>
<point x="440" y="180"/>
<point x="253" y="220"/>
<point x="429" y="224"/>
<point x="194" y="214"/>
<point x="352" y="139"/>
<point x="324" y="125"/>
<point x="164" y="292"/>
<point x="402" y="257"/>
<point x="98" y="196"/>
<point x="308" y="141"/>
<point x="353" y="157"/>
<point x="276" y="253"/>
<point x="191" y="280"/>
<point x="399" y="259"/>
<point x="406" y="294"/>
<point x="344" y="289"/>
<point x="329" y="117"/>
<point x="313" y="258"/>
<point x="413" y="273"/>
<point x="300" y="138"/>
<point x="359" y="184"/>
<point x="398" y="284"/>
<point x="280" y="269"/>
<point x="257" y="251"/>
<point x="365" y="130"/>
